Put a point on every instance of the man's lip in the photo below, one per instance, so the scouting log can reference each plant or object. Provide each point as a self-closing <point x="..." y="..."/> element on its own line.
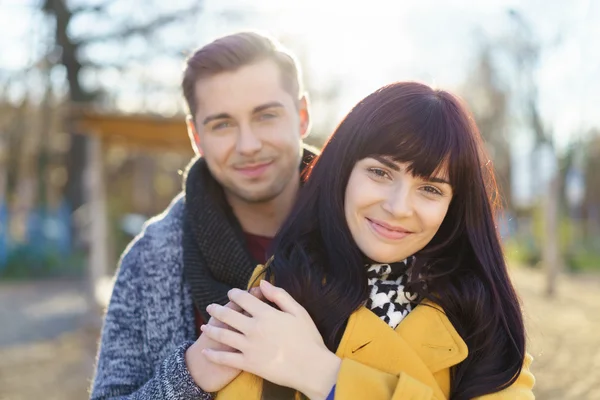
<point x="389" y="227"/>
<point x="252" y="167"/>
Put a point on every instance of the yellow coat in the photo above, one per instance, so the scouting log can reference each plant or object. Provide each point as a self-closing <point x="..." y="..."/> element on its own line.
<point x="411" y="362"/>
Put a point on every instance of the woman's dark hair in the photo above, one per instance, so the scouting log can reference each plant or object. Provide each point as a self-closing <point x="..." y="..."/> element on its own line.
<point x="463" y="267"/>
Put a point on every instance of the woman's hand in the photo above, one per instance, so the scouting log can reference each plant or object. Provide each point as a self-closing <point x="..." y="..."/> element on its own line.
<point x="283" y="347"/>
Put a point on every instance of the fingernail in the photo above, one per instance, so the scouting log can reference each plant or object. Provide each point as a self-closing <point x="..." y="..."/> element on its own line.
<point x="265" y="283"/>
<point x="203" y="328"/>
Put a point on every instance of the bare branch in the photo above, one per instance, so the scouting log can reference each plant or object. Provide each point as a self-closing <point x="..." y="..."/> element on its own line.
<point x="143" y="29"/>
<point x="98" y="8"/>
<point x="535" y="121"/>
<point x="102" y="65"/>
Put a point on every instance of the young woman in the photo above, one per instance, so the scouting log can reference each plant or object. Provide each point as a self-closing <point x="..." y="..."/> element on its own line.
<point x="388" y="278"/>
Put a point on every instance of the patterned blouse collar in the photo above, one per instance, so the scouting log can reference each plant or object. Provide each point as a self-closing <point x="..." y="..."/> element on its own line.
<point x="389" y="298"/>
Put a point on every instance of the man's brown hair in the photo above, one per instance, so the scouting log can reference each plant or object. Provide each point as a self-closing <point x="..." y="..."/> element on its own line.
<point x="231" y="52"/>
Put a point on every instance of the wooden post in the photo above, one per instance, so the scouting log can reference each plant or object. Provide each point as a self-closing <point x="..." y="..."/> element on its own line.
<point x="95" y="193"/>
<point x="551" y="250"/>
<point x="3" y="168"/>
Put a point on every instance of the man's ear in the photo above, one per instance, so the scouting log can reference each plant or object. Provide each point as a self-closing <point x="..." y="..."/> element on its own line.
<point x="304" y="113"/>
<point x="193" y="135"/>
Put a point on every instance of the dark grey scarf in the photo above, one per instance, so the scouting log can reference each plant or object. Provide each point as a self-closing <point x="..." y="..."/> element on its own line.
<point x="215" y="257"/>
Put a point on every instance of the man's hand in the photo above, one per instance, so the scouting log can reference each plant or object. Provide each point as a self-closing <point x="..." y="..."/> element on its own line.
<point x="209" y="376"/>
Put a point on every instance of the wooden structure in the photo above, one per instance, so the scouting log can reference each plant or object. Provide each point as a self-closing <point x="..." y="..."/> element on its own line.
<point x="142" y="132"/>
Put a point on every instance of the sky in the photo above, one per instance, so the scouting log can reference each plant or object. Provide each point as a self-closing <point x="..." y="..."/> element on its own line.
<point x="363" y="45"/>
<point x="436" y="42"/>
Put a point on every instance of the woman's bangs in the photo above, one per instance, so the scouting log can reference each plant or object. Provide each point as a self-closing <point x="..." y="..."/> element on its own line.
<point x="428" y="149"/>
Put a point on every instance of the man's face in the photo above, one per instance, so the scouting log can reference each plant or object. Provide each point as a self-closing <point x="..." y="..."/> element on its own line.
<point x="249" y="130"/>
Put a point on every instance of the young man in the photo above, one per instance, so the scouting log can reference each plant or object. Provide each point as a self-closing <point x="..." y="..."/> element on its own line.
<point x="247" y="118"/>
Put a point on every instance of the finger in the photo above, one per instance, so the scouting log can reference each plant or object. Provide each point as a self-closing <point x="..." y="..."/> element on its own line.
<point x="226" y="315"/>
<point x="256" y="292"/>
<point x="234" y="306"/>
<point x="248" y="302"/>
<point x="237" y="308"/>
<point x="215" y="322"/>
<point x="281" y="298"/>
<point x="225" y="336"/>
<point x="229" y="359"/>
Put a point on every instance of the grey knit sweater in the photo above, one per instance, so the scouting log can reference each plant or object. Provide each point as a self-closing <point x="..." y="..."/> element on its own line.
<point x="150" y="319"/>
<point x="192" y="253"/>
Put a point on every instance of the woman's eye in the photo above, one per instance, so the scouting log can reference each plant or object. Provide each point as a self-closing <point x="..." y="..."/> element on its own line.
<point x="432" y="190"/>
<point x="379" y="173"/>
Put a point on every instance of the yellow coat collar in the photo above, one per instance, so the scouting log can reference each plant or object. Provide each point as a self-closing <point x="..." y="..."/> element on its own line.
<point x="426" y="331"/>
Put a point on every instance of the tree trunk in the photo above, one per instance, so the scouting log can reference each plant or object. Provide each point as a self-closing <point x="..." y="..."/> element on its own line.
<point x="76" y="158"/>
<point x="551" y="250"/>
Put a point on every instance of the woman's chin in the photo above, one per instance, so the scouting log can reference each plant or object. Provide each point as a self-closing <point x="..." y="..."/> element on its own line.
<point x="382" y="259"/>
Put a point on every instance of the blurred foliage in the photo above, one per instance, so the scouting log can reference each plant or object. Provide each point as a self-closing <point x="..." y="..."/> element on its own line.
<point x="31" y="262"/>
<point x="584" y="256"/>
<point x="580" y="252"/>
<point x="522" y="250"/>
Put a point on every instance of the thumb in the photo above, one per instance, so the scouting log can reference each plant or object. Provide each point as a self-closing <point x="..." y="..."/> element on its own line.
<point x="280" y="298"/>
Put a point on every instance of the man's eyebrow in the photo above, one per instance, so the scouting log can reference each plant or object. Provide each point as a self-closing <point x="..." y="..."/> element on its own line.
<point x="214" y="117"/>
<point x="263" y="107"/>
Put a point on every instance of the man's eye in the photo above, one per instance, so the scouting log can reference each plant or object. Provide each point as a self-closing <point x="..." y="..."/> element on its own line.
<point x="267" y="116"/>
<point x="221" y="125"/>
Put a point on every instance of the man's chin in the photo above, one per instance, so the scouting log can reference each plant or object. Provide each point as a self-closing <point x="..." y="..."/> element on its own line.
<point x="255" y="196"/>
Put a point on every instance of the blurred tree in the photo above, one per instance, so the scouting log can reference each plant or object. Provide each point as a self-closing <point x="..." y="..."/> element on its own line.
<point x="488" y="97"/>
<point x="591" y="202"/>
<point x="70" y="48"/>
<point x="525" y="49"/>
<point x="323" y="96"/>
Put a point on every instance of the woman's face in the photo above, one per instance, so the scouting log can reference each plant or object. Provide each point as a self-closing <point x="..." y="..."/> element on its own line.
<point x="391" y="213"/>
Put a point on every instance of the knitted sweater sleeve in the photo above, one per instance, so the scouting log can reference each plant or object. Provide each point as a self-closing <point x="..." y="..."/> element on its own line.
<point x="123" y="372"/>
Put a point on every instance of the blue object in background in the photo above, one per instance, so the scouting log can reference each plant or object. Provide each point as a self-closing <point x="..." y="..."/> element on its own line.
<point x="3" y="235"/>
<point x="49" y="231"/>
<point x="63" y="239"/>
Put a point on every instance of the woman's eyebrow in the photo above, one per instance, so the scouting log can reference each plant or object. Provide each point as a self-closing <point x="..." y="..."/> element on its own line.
<point x="388" y="163"/>
<point x="438" y="180"/>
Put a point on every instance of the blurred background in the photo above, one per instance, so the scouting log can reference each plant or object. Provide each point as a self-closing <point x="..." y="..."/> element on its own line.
<point x="93" y="142"/>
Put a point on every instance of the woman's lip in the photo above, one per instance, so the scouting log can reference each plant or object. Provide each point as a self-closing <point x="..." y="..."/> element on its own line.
<point x="384" y="230"/>
<point x="390" y="227"/>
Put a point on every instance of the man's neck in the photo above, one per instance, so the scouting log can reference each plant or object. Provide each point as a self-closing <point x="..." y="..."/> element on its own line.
<point x="264" y="219"/>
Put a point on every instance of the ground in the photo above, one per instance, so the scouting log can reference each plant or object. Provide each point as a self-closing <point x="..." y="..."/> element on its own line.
<point x="48" y="340"/>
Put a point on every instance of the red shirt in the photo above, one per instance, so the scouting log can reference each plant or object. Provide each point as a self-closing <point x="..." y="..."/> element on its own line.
<point x="257" y="246"/>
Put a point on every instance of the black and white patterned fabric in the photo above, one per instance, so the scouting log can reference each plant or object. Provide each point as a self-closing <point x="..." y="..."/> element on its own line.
<point x="388" y="297"/>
